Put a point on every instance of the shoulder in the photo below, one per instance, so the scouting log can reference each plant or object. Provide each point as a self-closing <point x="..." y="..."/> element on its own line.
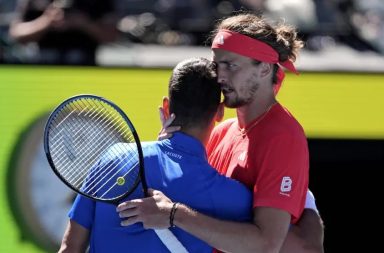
<point x="224" y="126"/>
<point x="121" y="150"/>
<point x="150" y="146"/>
<point x="219" y="132"/>
<point x="284" y="123"/>
<point x="226" y="123"/>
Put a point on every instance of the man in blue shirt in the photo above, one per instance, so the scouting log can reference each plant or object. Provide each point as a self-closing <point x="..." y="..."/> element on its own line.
<point x="177" y="166"/>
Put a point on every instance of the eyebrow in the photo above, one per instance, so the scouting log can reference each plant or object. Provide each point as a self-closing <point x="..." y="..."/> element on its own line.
<point x="224" y="61"/>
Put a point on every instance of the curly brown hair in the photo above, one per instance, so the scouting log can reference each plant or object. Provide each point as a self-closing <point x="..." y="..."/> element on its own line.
<point x="280" y="36"/>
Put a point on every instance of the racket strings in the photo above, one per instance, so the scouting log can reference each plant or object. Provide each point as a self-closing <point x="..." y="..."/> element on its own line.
<point x="111" y="178"/>
<point x="68" y="132"/>
<point x="99" y="176"/>
<point x="129" y="138"/>
<point x="80" y="131"/>
<point x="96" y="137"/>
<point x="75" y="159"/>
<point x="111" y="169"/>
<point x="105" y="192"/>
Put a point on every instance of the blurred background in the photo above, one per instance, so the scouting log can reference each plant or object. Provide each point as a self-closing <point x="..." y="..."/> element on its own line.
<point x="124" y="50"/>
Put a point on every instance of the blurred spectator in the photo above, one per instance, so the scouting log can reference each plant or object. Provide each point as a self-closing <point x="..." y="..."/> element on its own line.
<point x="174" y="22"/>
<point x="6" y="6"/>
<point x="65" y="31"/>
<point x="368" y="20"/>
<point x="336" y="23"/>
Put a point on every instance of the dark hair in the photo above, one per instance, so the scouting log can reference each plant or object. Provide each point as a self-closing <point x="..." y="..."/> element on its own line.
<point x="280" y="36"/>
<point x="194" y="93"/>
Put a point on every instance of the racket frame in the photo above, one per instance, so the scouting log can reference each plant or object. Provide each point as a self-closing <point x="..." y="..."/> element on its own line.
<point x="141" y="177"/>
<point x="165" y="235"/>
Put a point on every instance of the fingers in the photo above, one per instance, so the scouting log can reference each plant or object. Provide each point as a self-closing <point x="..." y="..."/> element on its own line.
<point x="132" y="212"/>
<point x="167" y="133"/>
<point x="162" y="116"/>
<point x="165" y="119"/>
<point x="129" y="221"/>
<point x="152" y="212"/>
<point x="129" y="212"/>
<point x="151" y="192"/>
<point x="164" y="136"/>
<point x="129" y="204"/>
<point x="169" y="121"/>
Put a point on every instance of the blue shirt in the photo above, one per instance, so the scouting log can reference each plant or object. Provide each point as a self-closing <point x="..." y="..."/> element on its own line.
<point x="179" y="168"/>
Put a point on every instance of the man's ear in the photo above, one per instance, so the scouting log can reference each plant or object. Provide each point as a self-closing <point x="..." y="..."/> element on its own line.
<point x="265" y="69"/>
<point x="220" y="112"/>
<point x="166" y="108"/>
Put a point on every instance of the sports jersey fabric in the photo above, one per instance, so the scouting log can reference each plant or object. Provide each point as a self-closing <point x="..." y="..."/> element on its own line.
<point x="270" y="156"/>
<point x="179" y="168"/>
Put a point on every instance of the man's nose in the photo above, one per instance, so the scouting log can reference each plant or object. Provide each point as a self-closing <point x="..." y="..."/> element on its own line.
<point x="221" y="76"/>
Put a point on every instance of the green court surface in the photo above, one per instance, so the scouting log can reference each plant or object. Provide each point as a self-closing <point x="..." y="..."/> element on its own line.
<point x="329" y="105"/>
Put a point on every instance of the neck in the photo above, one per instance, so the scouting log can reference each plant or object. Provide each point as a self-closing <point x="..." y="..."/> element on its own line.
<point x="197" y="132"/>
<point x="251" y="111"/>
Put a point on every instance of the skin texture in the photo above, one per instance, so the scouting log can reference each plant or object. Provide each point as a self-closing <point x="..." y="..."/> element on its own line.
<point x="75" y="239"/>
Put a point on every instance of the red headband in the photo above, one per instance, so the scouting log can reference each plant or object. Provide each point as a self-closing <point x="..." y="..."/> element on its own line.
<point x="252" y="48"/>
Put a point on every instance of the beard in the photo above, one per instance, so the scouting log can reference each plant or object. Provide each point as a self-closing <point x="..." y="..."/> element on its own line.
<point x="242" y="97"/>
<point x="235" y="102"/>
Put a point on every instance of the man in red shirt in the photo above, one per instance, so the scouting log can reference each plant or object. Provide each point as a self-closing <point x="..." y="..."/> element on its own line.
<point x="269" y="155"/>
<point x="264" y="147"/>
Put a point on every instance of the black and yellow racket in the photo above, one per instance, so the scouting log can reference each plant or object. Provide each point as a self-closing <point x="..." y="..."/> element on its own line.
<point x="93" y="147"/>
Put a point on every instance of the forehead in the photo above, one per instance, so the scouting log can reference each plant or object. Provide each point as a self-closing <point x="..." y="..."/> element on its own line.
<point x="220" y="55"/>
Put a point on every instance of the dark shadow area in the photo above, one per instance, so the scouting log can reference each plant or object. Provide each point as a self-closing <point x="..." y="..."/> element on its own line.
<point x="346" y="179"/>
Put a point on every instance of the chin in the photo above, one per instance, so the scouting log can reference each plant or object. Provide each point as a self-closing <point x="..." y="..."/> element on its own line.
<point x="228" y="103"/>
<point x="233" y="104"/>
<point x="230" y="106"/>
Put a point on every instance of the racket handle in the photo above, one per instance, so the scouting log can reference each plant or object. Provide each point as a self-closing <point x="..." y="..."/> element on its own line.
<point x="170" y="241"/>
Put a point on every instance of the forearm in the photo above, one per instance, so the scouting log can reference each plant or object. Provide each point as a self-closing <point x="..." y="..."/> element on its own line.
<point x="75" y="239"/>
<point x="266" y="234"/>
<point x="29" y="31"/>
<point x="307" y="236"/>
<point x="223" y="235"/>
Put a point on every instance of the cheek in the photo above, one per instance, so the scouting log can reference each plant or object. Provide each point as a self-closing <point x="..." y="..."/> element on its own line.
<point x="250" y="85"/>
<point x="243" y="81"/>
<point x="237" y="78"/>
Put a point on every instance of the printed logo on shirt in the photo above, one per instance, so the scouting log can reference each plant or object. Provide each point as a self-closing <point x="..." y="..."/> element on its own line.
<point x="242" y="156"/>
<point x="173" y="155"/>
<point x="220" y="40"/>
<point x="286" y="186"/>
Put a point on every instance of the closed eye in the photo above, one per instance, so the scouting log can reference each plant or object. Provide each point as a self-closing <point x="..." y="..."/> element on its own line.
<point x="228" y="65"/>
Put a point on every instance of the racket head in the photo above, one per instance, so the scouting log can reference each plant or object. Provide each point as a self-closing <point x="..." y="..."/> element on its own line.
<point x="93" y="147"/>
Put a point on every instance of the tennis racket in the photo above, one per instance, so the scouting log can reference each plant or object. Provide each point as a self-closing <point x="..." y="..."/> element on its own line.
<point x="92" y="146"/>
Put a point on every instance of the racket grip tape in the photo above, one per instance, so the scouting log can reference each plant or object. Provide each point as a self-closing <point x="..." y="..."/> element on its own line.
<point x="170" y="241"/>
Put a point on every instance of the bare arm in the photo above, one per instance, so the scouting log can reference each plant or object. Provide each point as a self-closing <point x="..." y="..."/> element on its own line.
<point x="75" y="239"/>
<point x="307" y="235"/>
<point x="27" y="31"/>
<point x="53" y="18"/>
<point x="266" y="234"/>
